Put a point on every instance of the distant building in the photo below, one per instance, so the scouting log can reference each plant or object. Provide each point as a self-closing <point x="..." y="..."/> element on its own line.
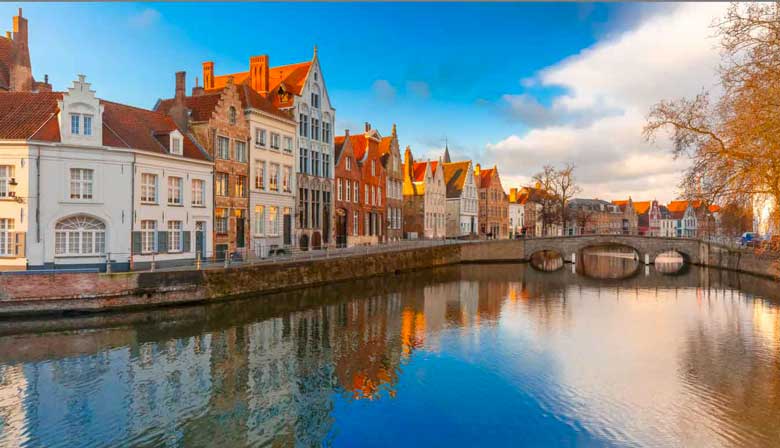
<point x="684" y="215"/>
<point x="592" y="216"/>
<point x="462" y="199"/>
<point x="15" y="68"/>
<point x="667" y="223"/>
<point x="493" y="204"/>
<point x="424" y="198"/>
<point x="629" y="219"/>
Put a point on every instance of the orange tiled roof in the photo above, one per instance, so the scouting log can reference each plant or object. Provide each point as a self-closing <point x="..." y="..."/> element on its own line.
<point x="455" y="176"/>
<point x="642" y="207"/>
<point x="32" y="116"/>
<point x="419" y="171"/>
<point x="384" y="145"/>
<point x="202" y="106"/>
<point x="359" y="146"/>
<point x="680" y="206"/>
<point x="293" y="76"/>
<point x="484" y="176"/>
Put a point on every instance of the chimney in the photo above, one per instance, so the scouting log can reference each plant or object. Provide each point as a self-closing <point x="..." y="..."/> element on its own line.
<point x="346" y="133"/>
<point x="197" y="90"/>
<point x="180" y="86"/>
<point x="513" y="195"/>
<point x="20" y="28"/>
<point x="394" y="133"/>
<point x="259" y="73"/>
<point x="476" y="171"/>
<point x="178" y="111"/>
<point x="208" y="75"/>
<point x="368" y="126"/>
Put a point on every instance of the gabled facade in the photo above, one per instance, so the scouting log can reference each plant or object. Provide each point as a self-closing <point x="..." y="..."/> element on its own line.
<point x="70" y="183"/>
<point x="462" y="199"/>
<point x="359" y="168"/>
<point x="391" y="160"/>
<point x="686" y="221"/>
<point x="493" y="204"/>
<point x="216" y="118"/>
<point x="300" y="90"/>
<point x="424" y="205"/>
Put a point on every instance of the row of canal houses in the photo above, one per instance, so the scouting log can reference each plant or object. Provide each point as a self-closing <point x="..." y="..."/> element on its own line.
<point x="245" y="165"/>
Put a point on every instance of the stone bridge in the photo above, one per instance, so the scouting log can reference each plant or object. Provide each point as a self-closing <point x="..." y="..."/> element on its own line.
<point x="693" y="251"/>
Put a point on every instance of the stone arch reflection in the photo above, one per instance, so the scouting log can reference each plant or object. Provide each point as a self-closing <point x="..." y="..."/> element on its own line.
<point x="608" y="262"/>
<point x="546" y="260"/>
<point x="671" y="263"/>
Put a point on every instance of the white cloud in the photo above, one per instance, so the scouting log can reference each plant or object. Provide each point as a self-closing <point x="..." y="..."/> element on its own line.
<point x="419" y="88"/>
<point x="384" y="90"/>
<point x="145" y="18"/>
<point x="610" y="88"/>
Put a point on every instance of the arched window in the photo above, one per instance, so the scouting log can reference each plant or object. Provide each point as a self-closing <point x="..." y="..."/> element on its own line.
<point x="79" y="235"/>
<point x="232" y="115"/>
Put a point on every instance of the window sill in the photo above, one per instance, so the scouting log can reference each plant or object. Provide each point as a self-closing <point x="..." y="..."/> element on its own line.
<point x="198" y="206"/>
<point x="149" y="203"/>
<point x="9" y="257"/>
<point x="175" y="205"/>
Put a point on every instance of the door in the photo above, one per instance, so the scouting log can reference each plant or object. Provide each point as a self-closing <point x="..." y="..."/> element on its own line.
<point x="220" y="251"/>
<point x="200" y="238"/>
<point x="341" y="228"/>
<point x="240" y="241"/>
<point x="287" y="228"/>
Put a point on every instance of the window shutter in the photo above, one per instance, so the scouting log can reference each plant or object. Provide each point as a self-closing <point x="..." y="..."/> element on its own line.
<point x="19" y="243"/>
<point x="185" y="241"/>
<point x="162" y="242"/>
<point x="136" y="242"/>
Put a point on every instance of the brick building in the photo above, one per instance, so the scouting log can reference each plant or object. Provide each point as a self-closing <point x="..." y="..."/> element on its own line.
<point x="359" y="167"/>
<point x="216" y="118"/>
<point x="493" y="204"/>
<point x="15" y="68"/>
<point x="391" y="160"/>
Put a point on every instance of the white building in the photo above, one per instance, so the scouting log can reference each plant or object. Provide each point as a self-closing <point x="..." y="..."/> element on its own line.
<point x="272" y="173"/>
<point x="67" y="176"/>
<point x="516" y="218"/>
<point x="461" y="203"/>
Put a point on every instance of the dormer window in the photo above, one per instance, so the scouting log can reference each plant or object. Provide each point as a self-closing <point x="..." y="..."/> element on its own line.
<point x="176" y="145"/>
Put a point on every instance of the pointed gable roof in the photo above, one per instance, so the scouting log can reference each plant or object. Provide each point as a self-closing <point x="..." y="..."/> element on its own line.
<point x="455" y="174"/>
<point x="202" y="106"/>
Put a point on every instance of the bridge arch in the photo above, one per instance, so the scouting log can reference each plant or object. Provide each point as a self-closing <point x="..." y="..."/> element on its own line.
<point x="645" y="246"/>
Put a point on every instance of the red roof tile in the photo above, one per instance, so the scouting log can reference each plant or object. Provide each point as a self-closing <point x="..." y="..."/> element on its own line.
<point x="23" y="113"/>
<point x="359" y="146"/>
<point x="32" y="116"/>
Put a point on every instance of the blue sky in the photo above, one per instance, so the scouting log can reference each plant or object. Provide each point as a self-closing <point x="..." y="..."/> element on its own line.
<point x="436" y="70"/>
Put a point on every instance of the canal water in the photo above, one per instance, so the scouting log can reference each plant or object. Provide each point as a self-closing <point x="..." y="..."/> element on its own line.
<point x="610" y="353"/>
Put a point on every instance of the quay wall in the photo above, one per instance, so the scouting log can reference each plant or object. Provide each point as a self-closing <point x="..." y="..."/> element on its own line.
<point x="89" y="292"/>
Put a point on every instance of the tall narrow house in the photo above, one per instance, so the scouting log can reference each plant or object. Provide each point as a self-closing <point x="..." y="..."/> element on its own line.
<point x="391" y="160"/>
<point x="493" y="204"/>
<point x="300" y="90"/>
<point x="424" y="201"/>
<point x="462" y="199"/>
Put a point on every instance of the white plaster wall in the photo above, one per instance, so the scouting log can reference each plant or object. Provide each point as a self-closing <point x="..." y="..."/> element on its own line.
<point x="165" y="166"/>
<point x="17" y="155"/>
<point x="263" y="242"/>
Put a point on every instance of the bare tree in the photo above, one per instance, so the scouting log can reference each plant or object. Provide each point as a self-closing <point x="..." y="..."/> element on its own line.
<point x="733" y="142"/>
<point x="560" y="186"/>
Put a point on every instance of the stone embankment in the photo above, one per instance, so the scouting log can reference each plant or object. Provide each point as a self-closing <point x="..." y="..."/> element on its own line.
<point x="89" y="292"/>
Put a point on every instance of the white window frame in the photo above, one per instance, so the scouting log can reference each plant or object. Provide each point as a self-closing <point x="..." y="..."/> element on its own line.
<point x="259" y="220"/>
<point x="273" y="221"/>
<point x="338" y="189"/>
<point x="7" y="242"/>
<point x="146" y="188"/>
<point x="72" y="234"/>
<point x="6" y="176"/>
<point x="175" y="193"/>
<point x="260" y="134"/>
<point x="84" y="187"/>
<point x="198" y="192"/>
<point x="75" y="124"/>
<point x="240" y="150"/>
<point x="148" y="236"/>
